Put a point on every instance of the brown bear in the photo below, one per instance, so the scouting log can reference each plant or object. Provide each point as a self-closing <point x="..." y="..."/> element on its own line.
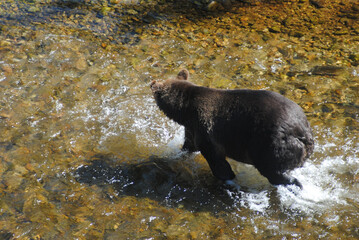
<point x="257" y="127"/>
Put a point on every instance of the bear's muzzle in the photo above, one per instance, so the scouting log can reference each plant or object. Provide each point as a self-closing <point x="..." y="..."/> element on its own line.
<point x="155" y="86"/>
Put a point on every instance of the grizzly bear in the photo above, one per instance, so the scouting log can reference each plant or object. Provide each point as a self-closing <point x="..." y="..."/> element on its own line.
<point x="257" y="127"/>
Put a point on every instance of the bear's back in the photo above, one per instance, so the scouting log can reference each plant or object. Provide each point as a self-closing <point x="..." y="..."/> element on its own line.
<point x="241" y="117"/>
<point x="248" y="106"/>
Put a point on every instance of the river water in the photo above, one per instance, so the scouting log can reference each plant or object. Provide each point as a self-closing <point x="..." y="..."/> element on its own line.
<point x="86" y="154"/>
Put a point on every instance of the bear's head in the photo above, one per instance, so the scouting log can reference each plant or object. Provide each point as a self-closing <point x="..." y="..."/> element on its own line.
<point x="158" y="87"/>
<point x="172" y="95"/>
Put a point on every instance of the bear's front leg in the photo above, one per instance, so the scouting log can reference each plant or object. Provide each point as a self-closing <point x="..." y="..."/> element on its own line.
<point x="189" y="144"/>
<point x="217" y="161"/>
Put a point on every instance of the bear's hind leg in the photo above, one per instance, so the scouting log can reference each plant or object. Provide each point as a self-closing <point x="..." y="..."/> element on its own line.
<point x="281" y="179"/>
<point x="273" y="161"/>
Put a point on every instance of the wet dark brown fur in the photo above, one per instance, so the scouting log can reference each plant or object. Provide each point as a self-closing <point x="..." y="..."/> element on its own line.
<point x="257" y="127"/>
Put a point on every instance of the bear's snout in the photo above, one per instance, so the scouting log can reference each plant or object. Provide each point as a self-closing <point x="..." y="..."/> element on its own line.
<point x="155" y="86"/>
<point x="152" y="83"/>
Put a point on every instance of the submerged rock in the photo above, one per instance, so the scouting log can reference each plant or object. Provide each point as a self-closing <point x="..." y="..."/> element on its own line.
<point x="354" y="59"/>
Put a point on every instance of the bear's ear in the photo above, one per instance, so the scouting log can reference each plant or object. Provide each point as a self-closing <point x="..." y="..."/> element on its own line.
<point x="183" y="75"/>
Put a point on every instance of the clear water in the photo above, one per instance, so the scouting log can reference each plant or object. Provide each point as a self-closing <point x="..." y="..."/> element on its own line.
<point x="86" y="154"/>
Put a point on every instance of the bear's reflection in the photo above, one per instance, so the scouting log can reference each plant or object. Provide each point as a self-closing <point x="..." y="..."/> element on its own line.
<point x="164" y="180"/>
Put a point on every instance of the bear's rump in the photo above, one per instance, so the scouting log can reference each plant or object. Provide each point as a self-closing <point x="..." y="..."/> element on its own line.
<point x="279" y="147"/>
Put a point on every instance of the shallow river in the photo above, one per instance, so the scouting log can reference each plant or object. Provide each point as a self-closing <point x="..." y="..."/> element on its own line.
<point x="86" y="154"/>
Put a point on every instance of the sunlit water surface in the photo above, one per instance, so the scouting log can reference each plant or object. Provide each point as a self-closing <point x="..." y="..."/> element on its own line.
<point x="85" y="152"/>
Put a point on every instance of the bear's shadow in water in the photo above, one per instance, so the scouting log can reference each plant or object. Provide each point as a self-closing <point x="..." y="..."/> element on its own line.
<point x="166" y="181"/>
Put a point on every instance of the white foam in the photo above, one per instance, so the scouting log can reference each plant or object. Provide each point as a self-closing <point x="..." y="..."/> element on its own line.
<point x="258" y="201"/>
<point x="355" y="73"/>
<point x="322" y="190"/>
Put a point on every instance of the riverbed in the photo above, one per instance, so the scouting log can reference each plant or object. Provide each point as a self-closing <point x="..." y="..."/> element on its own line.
<point x="85" y="153"/>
